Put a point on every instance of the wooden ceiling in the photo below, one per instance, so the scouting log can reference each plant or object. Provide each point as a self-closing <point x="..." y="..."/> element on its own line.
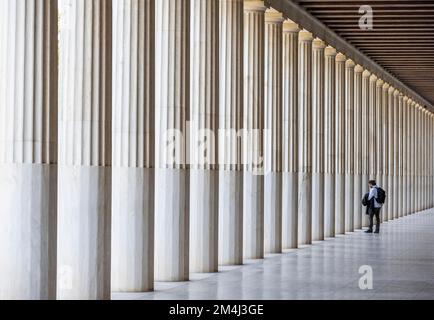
<point x="402" y="39"/>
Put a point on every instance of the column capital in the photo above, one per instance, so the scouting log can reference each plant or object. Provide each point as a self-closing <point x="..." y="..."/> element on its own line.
<point x="380" y="82"/>
<point x="350" y="64"/>
<point x="341" y="57"/>
<point x="318" y="44"/>
<point x="396" y="93"/>
<point x="386" y="86"/>
<point x="366" y="73"/>
<point x="305" y="35"/>
<point x="358" y="69"/>
<point x="290" y="26"/>
<point x="391" y="90"/>
<point x="254" y="5"/>
<point x="273" y="16"/>
<point x="330" y="51"/>
<point x="373" y="78"/>
<point x="410" y="101"/>
<point x="405" y="98"/>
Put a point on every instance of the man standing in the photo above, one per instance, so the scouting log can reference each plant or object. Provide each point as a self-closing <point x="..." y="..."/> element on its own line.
<point x="373" y="207"/>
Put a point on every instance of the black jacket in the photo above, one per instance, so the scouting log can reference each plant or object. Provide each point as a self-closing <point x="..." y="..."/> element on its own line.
<point x="366" y="202"/>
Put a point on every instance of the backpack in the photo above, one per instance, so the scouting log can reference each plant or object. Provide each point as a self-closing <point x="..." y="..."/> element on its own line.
<point x="381" y="195"/>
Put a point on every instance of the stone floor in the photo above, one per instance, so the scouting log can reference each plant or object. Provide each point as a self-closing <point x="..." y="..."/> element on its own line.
<point x="401" y="257"/>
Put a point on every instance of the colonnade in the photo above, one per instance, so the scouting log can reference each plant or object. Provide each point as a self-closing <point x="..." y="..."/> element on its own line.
<point x="152" y="139"/>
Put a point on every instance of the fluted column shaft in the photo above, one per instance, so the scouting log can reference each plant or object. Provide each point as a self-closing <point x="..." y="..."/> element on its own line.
<point x="133" y="146"/>
<point x="253" y="189"/>
<point x="366" y="135"/>
<point x="273" y="137"/>
<point x="172" y="111"/>
<point x="358" y="138"/>
<point x="318" y="154"/>
<point x="85" y="154"/>
<point x="340" y="188"/>
<point x="28" y="149"/>
<point x="290" y="136"/>
<point x="329" y="141"/>
<point x="349" y="145"/>
<point x="305" y="138"/>
<point x="231" y="122"/>
<point x="204" y="104"/>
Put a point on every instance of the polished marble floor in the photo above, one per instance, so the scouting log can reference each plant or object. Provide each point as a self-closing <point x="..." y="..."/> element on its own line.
<point x="401" y="257"/>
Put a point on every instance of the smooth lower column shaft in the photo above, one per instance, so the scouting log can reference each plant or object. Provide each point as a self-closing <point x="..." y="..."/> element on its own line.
<point x="230" y="143"/>
<point x="273" y="136"/>
<point x="253" y="193"/>
<point x="204" y="93"/>
<point x="172" y="112"/>
<point x="329" y="141"/>
<point x="290" y="136"/>
<point x="305" y="138"/>
<point x="28" y="149"/>
<point x="85" y="150"/>
<point x="318" y="60"/>
<point x="133" y="89"/>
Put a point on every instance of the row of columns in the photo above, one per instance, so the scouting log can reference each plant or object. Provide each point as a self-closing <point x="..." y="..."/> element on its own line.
<point x="104" y="187"/>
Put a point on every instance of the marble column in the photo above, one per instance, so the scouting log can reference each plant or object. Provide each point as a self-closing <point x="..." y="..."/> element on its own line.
<point x="378" y="119"/>
<point x="253" y="189"/>
<point x="399" y="175"/>
<point x="230" y="145"/>
<point x="384" y="148"/>
<point x="85" y="149"/>
<point x="273" y="137"/>
<point x="340" y="188"/>
<point x="404" y="155"/>
<point x="372" y="127"/>
<point x="365" y="141"/>
<point x="133" y="146"/>
<point x="204" y="104"/>
<point x="290" y="135"/>
<point x="28" y="149"/>
<point x="390" y="150"/>
<point x="358" y="138"/>
<point x="395" y="198"/>
<point x="305" y="138"/>
<point x="329" y="141"/>
<point x="318" y="60"/>
<point x="172" y="113"/>
<point x="349" y="145"/>
<point x="418" y="158"/>
<point x="411" y="157"/>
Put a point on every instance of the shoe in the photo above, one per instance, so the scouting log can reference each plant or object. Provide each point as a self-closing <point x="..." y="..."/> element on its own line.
<point x="368" y="231"/>
<point x="376" y="231"/>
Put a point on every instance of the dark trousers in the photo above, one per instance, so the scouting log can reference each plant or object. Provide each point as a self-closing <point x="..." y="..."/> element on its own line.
<point x="374" y="212"/>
